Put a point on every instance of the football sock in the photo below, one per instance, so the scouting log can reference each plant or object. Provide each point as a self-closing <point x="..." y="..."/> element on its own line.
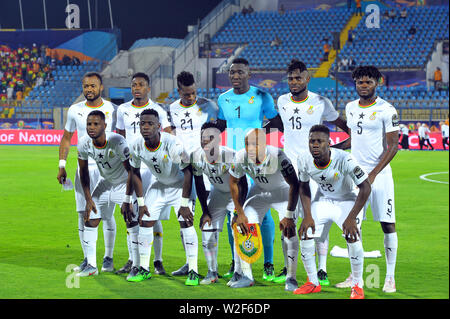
<point x="292" y="255"/>
<point x="390" y="248"/>
<point x="309" y="261"/>
<point x="209" y="243"/>
<point x="158" y="240"/>
<point x="81" y="231"/>
<point x="230" y="233"/>
<point x="246" y="269"/>
<point x="237" y="261"/>
<point x="356" y="256"/>
<point x="284" y="248"/>
<point x="191" y="244"/>
<point x="184" y="245"/>
<point x="145" y="246"/>
<point x="134" y="245"/>
<point x="268" y="236"/>
<point x="322" y="251"/>
<point x="130" y="253"/>
<point x="109" y="234"/>
<point x="90" y="235"/>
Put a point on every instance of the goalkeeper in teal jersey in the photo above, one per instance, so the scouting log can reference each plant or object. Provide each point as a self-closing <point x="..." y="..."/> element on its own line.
<point x="241" y="109"/>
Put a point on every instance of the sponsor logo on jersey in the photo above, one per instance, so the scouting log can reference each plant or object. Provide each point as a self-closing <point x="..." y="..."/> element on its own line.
<point x="310" y="110"/>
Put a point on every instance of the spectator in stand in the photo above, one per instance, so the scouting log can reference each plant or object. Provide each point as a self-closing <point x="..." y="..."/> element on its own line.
<point x="412" y="31"/>
<point x="350" y="35"/>
<point x="358" y="8"/>
<point x="250" y="9"/>
<point x="326" y="51"/>
<point x="438" y="79"/>
<point x="244" y="10"/>
<point x="281" y="10"/>
<point x="351" y="63"/>
<point x="349" y="4"/>
<point x="76" y="61"/>
<point x="276" y="42"/>
<point x="9" y="92"/>
<point x="66" y="60"/>
<point x="403" y="13"/>
<point x="392" y="14"/>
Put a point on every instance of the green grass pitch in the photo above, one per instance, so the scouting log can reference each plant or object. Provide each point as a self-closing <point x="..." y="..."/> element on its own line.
<point x="39" y="239"/>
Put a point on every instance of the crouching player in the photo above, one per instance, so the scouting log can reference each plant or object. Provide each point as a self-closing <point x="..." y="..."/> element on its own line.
<point x="336" y="200"/>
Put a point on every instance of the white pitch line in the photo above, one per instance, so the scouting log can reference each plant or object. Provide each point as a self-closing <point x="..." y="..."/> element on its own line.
<point x="424" y="177"/>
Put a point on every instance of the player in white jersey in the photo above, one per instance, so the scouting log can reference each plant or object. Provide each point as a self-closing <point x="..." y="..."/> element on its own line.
<point x="300" y="110"/>
<point x="166" y="158"/>
<point x="213" y="161"/>
<point x="424" y="136"/>
<point x="76" y="122"/>
<point x="275" y="186"/>
<point x="187" y="116"/>
<point x="374" y="127"/>
<point x="128" y="119"/>
<point x="444" y="132"/>
<point x="110" y="152"/>
<point x="336" y="200"/>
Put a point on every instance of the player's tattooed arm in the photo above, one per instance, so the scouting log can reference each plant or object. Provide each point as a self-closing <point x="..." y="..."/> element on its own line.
<point x="308" y="222"/>
<point x="241" y="219"/>
<point x="184" y="211"/>
<point x="387" y="156"/>
<point x="287" y="225"/>
<point x="127" y="209"/>
<point x="85" y="184"/>
<point x="350" y="226"/>
<point x="64" y="148"/>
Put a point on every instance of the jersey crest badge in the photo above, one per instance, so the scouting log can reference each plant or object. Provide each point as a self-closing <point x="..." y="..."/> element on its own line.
<point x="249" y="247"/>
<point x="372" y="117"/>
<point x="310" y="110"/>
<point x="336" y="176"/>
<point x="111" y="154"/>
<point x="251" y="101"/>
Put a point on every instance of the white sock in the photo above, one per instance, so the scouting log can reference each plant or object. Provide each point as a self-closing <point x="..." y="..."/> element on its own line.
<point x="81" y="231"/>
<point x="90" y="235"/>
<point x="322" y="251"/>
<point x="191" y="244"/>
<point x="130" y="253"/>
<point x="209" y="243"/>
<point x="237" y="259"/>
<point x="292" y="255"/>
<point x="356" y="256"/>
<point x="390" y="249"/>
<point x="309" y="261"/>
<point x="246" y="269"/>
<point x="184" y="246"/>
<point x="158" y="240"/>
<point x="283" y="246"/>
<point x="109" y="234"/>
<point x="145" y="246"/>
<point x="133" y="234"/>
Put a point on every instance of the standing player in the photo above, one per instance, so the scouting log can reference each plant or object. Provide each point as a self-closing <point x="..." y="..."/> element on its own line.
<point x="163" y="154"/>
<point x="128" y="119"/>
<point x="336" y="201"/>
<point x="76" y="122"/>
<point x="275" y="186"/>
<point x="110" y="151"/>
<point x="241" y="109"/>
<point x="213" y="161"/>
<point x="444" y="132"/>
<point x="187" y="115"/>
<point x="424" y="134"/>
<point x="300" y="110"/>
<point x="373" y="124"/>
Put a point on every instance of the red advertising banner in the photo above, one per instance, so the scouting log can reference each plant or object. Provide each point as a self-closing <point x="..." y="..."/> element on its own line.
<point x="53" y="137"/>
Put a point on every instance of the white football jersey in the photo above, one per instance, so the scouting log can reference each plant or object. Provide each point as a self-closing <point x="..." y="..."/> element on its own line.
<point x="336" y="180"/>
<point x="78" y="113"/>
<point x="299" y="117"/>
<point x="109" y="158"/>
<point x="368" y="127"/>
<point x="164" y="162"/>
<point x="444" y="129"/>
<point x="128" y="117"/>
<point x="269" y="174"/>
<point x="188" y="120"/>
<point x="217" y="172"/>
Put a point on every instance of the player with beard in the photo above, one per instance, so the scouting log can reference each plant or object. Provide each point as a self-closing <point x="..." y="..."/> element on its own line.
<point x="374" y="127"/>
<point x="76" y="122"/>
<point x="128" y="115"/>
<point x="301" y="109"/>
